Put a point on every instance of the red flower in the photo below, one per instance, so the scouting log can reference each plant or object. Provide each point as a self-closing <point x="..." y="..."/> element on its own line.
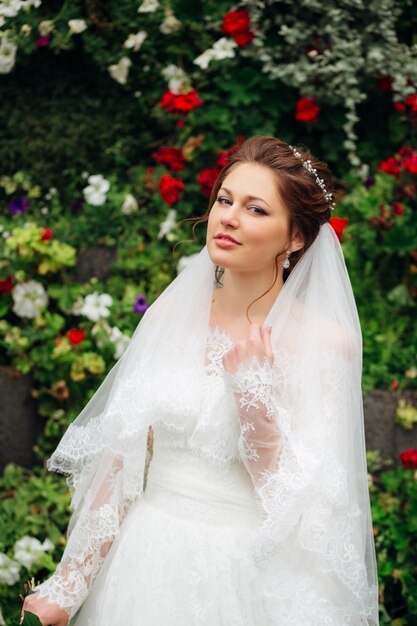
<point x="46" y="235"/>
<point x="207" y="178"/>
<point x="397" y="208"/>
<point x="6" y="285"/>
<point x="338" y="224"/>
<point x="409" y="458"/>
<point x="411" y="102"/>
<point x="390" y="166"/>
<point x="410" y="164"/>
<point x="180" y="123"/>
<point x="306" y="109"/>
<point x="385" y="84"/>
<point x="223" y="156"/>
<point x="169" y="188"/>
<point x="237" y="25"/>
<point x="172" y="158"/>
<point x="409" y="105"/>
<point x="42" y="42"/>
<point x="405" y="151"/>
<point x="76" y="336"/>
<point x="394" y="384"/>
<point x="182" y="102"/>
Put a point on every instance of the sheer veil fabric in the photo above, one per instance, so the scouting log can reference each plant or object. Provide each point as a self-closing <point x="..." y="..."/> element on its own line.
<point x="314" y="550"/>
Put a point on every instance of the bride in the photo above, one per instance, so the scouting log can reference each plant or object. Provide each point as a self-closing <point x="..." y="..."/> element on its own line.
<point x="246" y="371"/>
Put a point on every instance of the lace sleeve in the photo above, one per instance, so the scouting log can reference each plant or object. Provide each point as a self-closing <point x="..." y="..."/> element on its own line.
<point x="260" y="441"/>
<point x="91" y="537"/>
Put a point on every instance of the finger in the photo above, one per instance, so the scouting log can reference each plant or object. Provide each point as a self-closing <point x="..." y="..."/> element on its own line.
<point x="268" y="345"/>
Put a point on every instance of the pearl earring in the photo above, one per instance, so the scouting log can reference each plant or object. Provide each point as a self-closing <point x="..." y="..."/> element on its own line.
<point x="286" y="263"/>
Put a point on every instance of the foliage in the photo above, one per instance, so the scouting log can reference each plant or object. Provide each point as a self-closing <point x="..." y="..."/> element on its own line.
<point x="380" y="247"/>
<point x="33" y="504"/>
<point x="394" y="513"/>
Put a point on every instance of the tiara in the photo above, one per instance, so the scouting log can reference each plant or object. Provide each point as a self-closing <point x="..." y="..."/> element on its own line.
<point x="307" y="164"/>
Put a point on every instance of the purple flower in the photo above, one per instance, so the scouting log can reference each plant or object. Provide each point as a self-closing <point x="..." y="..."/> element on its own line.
<point x="369" y="182"/>
<point x="20" y="205"/>
<point x="140" y="305"/>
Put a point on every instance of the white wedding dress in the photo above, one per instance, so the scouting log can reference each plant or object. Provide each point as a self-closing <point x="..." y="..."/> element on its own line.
<point x="198" y="546"/>
<point x="182" y="555"/>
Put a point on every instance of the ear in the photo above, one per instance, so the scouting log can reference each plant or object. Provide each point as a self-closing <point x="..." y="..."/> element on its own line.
<point x="297" y="241"/>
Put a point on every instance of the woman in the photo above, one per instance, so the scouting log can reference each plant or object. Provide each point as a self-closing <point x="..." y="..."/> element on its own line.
<point x="255" y="510"/>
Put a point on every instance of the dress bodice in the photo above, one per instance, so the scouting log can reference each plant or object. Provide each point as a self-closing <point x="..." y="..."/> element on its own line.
<point x="213" y="433"/>
<point x="198" y="471"/>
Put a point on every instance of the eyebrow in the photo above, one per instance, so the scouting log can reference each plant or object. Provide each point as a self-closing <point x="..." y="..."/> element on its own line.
<point x="247" y="197"/>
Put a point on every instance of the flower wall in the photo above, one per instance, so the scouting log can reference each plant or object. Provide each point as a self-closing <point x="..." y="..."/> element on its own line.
<point x="116" y="118"/>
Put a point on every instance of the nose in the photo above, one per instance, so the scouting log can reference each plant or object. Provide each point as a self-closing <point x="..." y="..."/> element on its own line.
<point x="229" y="216"/>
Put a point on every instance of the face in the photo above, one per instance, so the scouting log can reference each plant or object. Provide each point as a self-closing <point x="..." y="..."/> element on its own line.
<point x="249" y="209"/>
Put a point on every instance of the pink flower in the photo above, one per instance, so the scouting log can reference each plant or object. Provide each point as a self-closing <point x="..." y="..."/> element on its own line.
<point x="43" y="42"/>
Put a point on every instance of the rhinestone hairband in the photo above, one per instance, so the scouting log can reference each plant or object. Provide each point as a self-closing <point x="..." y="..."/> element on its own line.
<point x="307" y="164"/>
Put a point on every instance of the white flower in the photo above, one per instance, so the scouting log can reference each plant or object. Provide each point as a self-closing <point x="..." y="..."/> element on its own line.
<point x="129" y="205"/>
<point x="29" y="299"/>
<point x="168" y="224"/>
<point x="175" y="76"/>
<point x="95" y="306"/>
<point x="120" y="71"/>
<point x="27" y="4"/>
<point x="170" y="23"/>
<point x="9" y="570"/>
<point x="204" y="59"/>
<point x="185" y="261"/>
<point x="115" y="335"/>
<point x="77" y="26"/>
<point x="27" y="550"/>
<point x="148" y="6"/>
<point x="45" y="27"/>
<point x="7" y="56"/>
<point x="119" y="340"/>
<point x="10" y="8"/>
<point x="135" y="41"/>
<point x="224" y="48"/>
<point x="96" y="190"/>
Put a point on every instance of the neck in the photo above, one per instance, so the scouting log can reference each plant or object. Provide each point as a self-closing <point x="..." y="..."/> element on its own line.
<point x="240" y="289"/>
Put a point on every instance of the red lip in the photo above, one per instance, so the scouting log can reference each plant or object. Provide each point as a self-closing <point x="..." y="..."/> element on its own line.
<point x="224" y="236"/>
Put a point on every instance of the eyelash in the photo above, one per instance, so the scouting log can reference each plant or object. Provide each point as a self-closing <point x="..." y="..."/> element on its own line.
<point x="252" y="207"/>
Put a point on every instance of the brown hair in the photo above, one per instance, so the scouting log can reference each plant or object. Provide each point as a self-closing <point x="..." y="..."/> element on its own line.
<point x="300" y="193"/>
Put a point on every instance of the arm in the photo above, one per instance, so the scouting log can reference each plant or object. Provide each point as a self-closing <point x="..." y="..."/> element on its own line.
<point x="90" y="537"/>
<point x="250" y="393"/>
<point x="88" y="543"/>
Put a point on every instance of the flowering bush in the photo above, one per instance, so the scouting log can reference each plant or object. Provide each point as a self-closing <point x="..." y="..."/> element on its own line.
<point x="394" y="513"/>
<point x="380" y="245"/>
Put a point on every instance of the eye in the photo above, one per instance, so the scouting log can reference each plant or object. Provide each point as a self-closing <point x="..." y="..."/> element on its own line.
<point x="221" y="198"/>
<point x="259" y="209"/>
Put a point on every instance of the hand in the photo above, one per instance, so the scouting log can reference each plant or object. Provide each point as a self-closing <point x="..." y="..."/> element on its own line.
<point x="49" y="614"/>
<point x="257" y="344"/>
